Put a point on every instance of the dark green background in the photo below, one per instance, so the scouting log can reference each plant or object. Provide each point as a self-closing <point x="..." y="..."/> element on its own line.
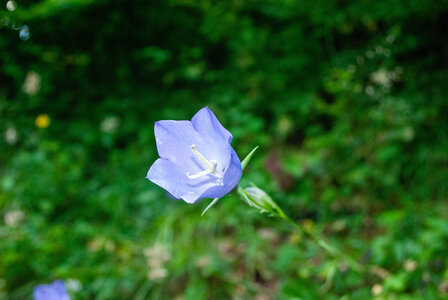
<point x="346" y="99"/>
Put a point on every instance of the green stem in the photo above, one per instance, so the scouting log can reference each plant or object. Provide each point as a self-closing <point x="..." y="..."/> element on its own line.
<point x="335" y="252"/>
<point x="266" y="204"/>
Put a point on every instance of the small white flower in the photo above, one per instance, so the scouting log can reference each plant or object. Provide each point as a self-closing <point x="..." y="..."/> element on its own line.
<point x="14" y="217"/>
<point x="381" y="77"/>
<point x="31" y="85"/>
<point x="157" y="273"/>
<point x="156" y="256"/>
<point x="410" y="265"/>
<point x="11" y="5"/>
<point x="73" y="285"/>
<point x="11" y="135"/>
<point x="110" y="124"/>
<point x="377" y="289"/>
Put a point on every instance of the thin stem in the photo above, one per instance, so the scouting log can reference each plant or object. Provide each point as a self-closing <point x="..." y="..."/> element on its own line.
<point x="353" y="264"/>
<point x="334" y="251"/>
<point x="266" y="204"/>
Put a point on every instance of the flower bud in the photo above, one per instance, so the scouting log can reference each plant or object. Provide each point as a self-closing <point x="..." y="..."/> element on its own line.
<point x="258" y="195"/>
<point x="259" y="199"/>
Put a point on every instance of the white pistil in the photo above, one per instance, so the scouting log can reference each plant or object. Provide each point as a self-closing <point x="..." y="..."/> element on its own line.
<point x="200" y="156"/>
<point x="211" y="165"/>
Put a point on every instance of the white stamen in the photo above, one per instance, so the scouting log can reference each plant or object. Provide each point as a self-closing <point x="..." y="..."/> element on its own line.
<point x="211" y="165"/>
<point x="200" y="174"/>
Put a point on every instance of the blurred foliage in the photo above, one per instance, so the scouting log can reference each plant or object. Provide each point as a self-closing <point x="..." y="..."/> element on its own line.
<point x="346" y="99"/>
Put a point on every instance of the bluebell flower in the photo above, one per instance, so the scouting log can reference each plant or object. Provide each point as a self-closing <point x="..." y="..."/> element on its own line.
<point x="196" y="158"/>
<point x="53" y="291"/>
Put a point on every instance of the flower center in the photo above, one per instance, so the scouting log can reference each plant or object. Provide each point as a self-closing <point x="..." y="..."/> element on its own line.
<point x="211" y="167"/>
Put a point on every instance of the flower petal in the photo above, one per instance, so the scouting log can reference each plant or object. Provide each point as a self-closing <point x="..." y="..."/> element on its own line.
<point x="218" y="138"/>
<point x="167" y="175"/>
<point x="174" y="139"/>
<point x="206" y="123"/>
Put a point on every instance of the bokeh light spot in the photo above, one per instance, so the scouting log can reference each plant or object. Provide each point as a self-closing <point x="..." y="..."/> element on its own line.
<point x="11" y="5"/>
<point x="24" y="32"/>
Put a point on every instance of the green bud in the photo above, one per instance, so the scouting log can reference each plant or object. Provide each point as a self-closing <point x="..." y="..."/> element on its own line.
<point x="259" y="197"/>
<point x="256" y="197"/>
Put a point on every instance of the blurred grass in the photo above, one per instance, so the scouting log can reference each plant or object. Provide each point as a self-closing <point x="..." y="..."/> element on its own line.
<point x="347" y="102"/>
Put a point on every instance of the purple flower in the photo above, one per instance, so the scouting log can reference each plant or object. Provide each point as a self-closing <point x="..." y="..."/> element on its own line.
<point x="196" y="159"/>
<point x="53" y="291"/>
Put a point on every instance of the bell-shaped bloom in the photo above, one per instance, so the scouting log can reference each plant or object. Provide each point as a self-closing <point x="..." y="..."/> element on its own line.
<point x="196" y="159"/>
<point x="53" y="291"/>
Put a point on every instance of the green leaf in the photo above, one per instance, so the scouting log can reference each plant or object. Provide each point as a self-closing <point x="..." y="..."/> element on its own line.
<point x="247" y="158"/>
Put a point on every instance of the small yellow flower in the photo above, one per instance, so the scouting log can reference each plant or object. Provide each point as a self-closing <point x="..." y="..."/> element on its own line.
<point x="42" y="121"/>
